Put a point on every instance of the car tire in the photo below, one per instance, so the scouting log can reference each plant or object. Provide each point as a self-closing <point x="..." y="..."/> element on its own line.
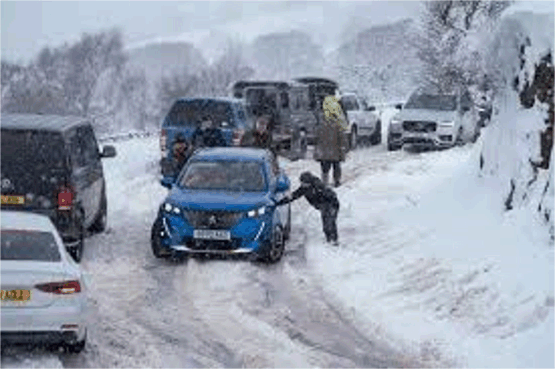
<point x="275" y="248"/>
<point x="376" y="137"/>
<point x="303" y="144"/>
<point x="76" y="252"/>
<point x="77" y="347"/>
<point x="459" y="141"/>
<point x="155" y="240"/>
<point x="392" y="147"/>
<point x="101" y="221"/>
<point x="353" y="138"/>
<point x="287" y="233"/>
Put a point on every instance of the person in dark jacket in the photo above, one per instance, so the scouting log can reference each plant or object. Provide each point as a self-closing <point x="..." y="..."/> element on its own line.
<point x="180" y="151"/>
<point x="261" y="137"/>
<point x="322" y="198"/>
<point x="331" y="141"/>
<point x="208" y="135"/>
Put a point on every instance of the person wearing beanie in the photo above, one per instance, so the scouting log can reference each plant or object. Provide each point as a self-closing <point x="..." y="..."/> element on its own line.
<point x="322" y="198"/>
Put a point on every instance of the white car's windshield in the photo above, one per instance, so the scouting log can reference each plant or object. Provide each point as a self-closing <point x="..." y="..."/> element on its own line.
<point x="432" y="102"/>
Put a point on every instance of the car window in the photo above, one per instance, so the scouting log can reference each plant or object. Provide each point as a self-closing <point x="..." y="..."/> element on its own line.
<point x="29" y="246"/>
<point x="432" y="102"/>
<point x="37" y="152"/>
<point x="224" y="175"/>
<point x="77" y="150"/>
<point x="193" y="113"/>
<point x="89" y="146"/>
<point x="349" y="103"/>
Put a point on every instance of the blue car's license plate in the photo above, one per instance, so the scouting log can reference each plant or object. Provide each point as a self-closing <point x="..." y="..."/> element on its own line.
<point x="212" y="234"/>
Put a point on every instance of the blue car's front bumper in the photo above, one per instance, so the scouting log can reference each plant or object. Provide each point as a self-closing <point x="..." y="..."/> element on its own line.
<point x="248" y="236"/>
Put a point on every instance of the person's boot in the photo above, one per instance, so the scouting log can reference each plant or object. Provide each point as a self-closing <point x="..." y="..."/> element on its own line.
<point x="325" y="178"/>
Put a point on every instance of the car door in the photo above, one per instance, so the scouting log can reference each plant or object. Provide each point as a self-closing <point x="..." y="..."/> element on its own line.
<point x="94" y="175"/>
<point x="78" y="169"/>
<point x="274" y="171"/>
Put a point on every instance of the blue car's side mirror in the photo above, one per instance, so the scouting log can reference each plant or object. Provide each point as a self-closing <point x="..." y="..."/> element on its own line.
<point x="282" y="183"/>
<point x="167" y="182"/>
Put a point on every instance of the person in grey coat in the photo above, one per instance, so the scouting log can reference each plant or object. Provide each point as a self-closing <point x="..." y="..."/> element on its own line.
<point x="331" y="139"/>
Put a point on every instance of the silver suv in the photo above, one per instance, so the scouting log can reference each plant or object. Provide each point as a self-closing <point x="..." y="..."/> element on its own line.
<point x="435" y="121"/>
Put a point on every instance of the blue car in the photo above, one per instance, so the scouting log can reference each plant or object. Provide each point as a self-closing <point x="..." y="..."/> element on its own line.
<point x="223" y="202"/>
<point x="185" y="117"/>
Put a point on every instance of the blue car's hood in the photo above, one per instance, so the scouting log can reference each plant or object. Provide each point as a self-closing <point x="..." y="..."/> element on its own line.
<point x="218" y="200"/>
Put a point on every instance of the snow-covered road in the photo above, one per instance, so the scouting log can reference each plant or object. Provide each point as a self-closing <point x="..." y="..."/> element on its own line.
<point x="319" y="307"/>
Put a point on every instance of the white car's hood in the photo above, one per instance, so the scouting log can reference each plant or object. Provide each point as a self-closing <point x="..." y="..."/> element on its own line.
<point x="427" y="115"/>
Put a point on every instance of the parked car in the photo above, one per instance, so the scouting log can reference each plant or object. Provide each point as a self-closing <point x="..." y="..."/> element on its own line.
<point x="43" y="292"/>
<point x="435" y="120"/>
<point x="292" y="106"/>
<point x="187" y="114"/>
<point x="363" y="120"/>
<point x="52" y="165"/>
<point x="221" y="203"/>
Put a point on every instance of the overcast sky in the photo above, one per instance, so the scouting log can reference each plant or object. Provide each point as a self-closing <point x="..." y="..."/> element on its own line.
<point x="27" y="26"/>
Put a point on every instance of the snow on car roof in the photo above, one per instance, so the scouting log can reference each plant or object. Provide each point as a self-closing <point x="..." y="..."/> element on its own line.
<point x="25" y="221"/>
<point x="241" y="153"/>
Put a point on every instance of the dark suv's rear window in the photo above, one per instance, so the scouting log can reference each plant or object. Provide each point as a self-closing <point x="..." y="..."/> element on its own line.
<point x="29" y="245"/>
<point x="193" y="113"/>
<point x="33" y="161"/>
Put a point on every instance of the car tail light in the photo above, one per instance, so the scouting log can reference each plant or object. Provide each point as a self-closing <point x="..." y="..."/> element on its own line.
<point x="237" y="137"/>
<point x="60" y="288"/>
<point x="65" y="198"/>
<point x="163" y="140"/>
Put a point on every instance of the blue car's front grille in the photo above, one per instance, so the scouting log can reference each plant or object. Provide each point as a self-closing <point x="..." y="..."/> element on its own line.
<point x="212" y="244"/>
<point x="201" y="219"/>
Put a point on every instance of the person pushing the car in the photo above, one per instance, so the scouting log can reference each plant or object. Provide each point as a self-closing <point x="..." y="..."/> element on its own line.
<point x="322" y="198"/>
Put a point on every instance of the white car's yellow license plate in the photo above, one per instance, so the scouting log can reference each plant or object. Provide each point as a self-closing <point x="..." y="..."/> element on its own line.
<point x="12" y="200"/>
<point x="15" y="295"/>
<point x="212" y="234"/>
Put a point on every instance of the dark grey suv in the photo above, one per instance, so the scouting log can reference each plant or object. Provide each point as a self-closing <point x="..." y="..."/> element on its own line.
<point x="52" y="165"/>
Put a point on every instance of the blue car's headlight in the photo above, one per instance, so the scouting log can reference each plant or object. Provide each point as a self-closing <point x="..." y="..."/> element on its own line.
<point x="256" y="212"/>
<point x="169" y="208"/>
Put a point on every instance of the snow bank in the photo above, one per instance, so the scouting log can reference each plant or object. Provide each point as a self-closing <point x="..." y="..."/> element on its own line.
<point x="512" y="146"/>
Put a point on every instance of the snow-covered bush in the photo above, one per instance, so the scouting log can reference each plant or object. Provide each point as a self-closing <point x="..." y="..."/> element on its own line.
<point x="517" y="145"/>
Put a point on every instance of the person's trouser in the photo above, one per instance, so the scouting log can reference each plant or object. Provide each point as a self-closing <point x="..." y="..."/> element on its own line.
<point x="329" y="221"/>
<point x="326" y="166"/>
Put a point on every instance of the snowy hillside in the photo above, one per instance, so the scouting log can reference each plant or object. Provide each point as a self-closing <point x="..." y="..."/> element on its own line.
<point x="379" y="61"/>
<point x="159" y="59"/>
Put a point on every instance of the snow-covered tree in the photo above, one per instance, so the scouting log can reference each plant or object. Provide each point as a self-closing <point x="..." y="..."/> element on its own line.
<point x="287" y="54"/>
<point x="451" y="41"/>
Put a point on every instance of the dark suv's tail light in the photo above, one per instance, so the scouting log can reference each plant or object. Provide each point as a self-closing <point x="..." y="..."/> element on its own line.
<point x="60" y="288"/>
<point x="65" y="198"/>
<point x="163" y="141"/>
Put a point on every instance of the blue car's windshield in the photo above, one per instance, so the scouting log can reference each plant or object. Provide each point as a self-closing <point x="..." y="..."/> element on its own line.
<point x="226" y="175"/>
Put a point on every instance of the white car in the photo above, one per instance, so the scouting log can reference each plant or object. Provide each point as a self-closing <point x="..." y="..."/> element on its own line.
<point x="43" y="293"/>
<point x="435" y="121"/>
<point x="363" y="120"/>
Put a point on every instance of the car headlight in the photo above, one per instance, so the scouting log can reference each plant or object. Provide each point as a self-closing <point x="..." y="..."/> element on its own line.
<point x="171" y="209"/>
<point x="447" y="123"/>
<point x="256" y="212"/>
<point x="395" y="121"/>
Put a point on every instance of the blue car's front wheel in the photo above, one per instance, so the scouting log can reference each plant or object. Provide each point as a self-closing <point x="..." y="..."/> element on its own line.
<point x="275" y="248"/>
<point x="156" y="239"/>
